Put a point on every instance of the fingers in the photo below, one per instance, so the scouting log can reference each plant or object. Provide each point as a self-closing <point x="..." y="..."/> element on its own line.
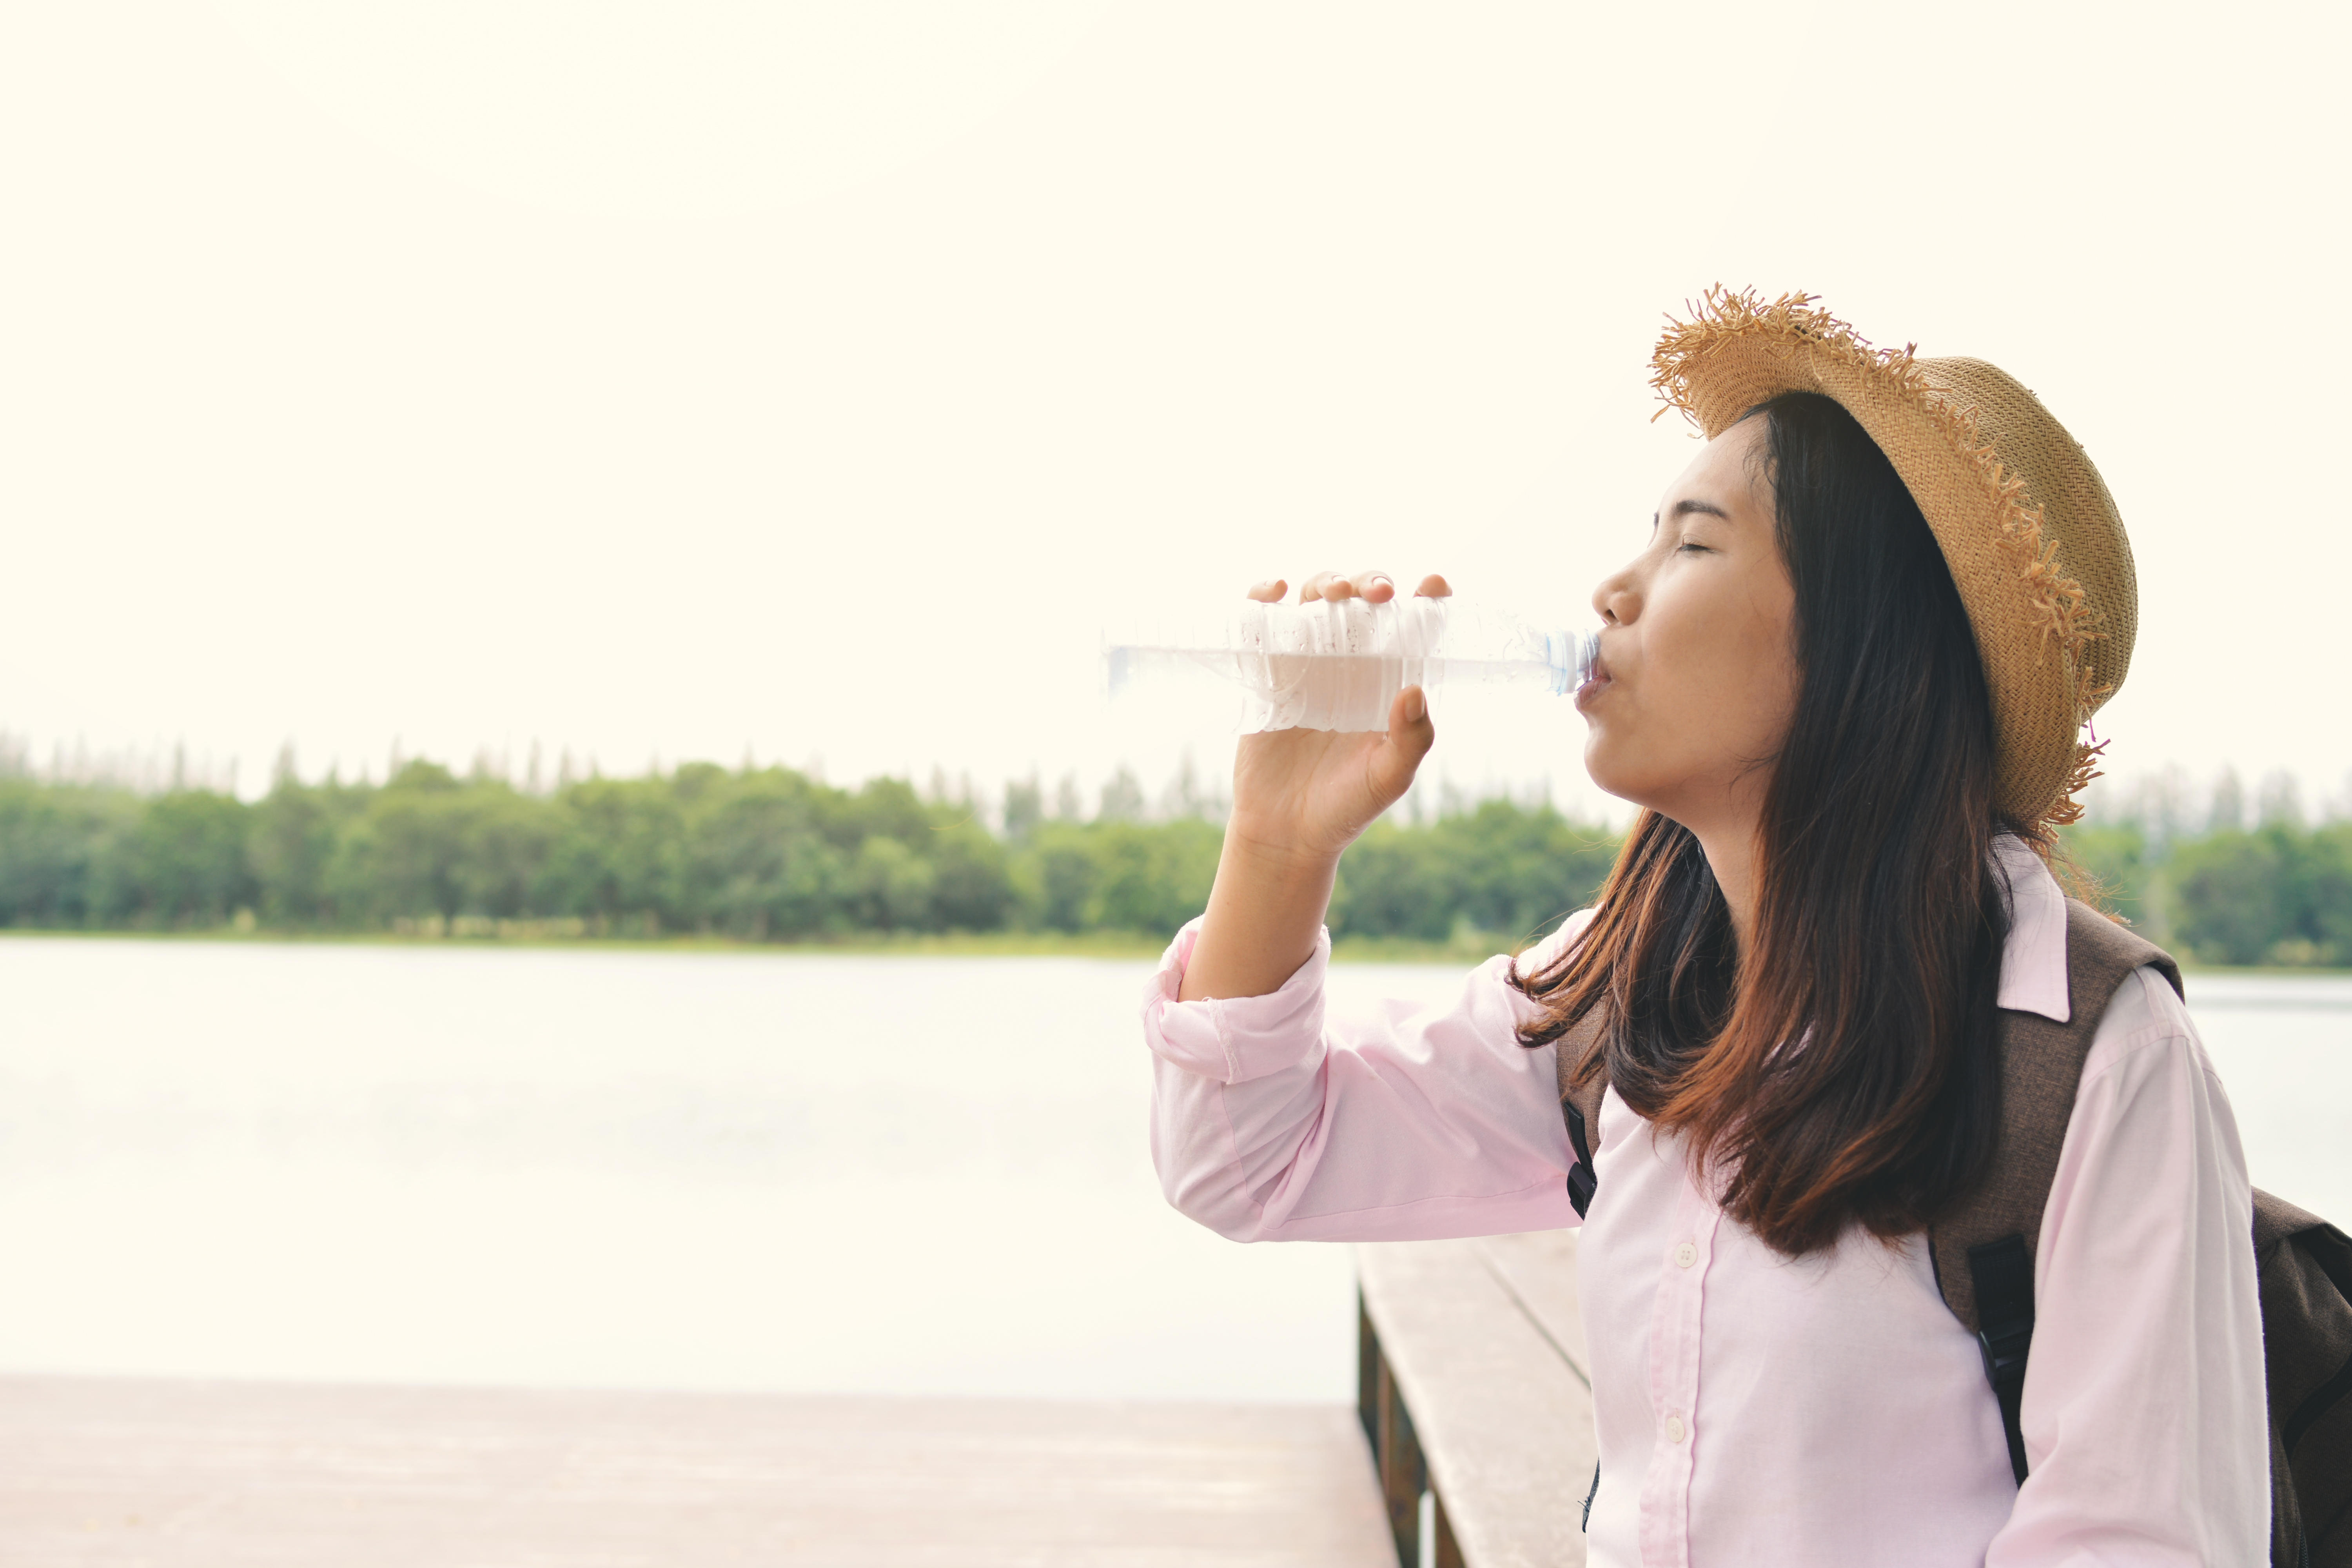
<point x="1372" y="588"/>
<point x="1325" y="586"/>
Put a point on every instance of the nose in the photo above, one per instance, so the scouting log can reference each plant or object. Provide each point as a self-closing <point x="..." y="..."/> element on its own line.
<point x="1617" y="600"/>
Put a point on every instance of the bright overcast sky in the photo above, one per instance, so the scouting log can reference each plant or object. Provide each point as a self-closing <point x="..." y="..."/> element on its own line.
<point x="690" y="380"/>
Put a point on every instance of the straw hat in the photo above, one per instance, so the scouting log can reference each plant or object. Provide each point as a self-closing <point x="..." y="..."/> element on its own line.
<point x="2027" y="526"/>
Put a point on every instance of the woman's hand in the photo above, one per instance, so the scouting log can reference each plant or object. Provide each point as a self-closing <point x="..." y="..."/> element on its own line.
<point x="1300" y="796"/>
<point x="1310" y="793"/>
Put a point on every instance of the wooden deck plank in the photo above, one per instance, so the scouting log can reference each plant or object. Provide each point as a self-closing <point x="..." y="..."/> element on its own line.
<point x="1539" y="1268"/>
<point x="97" y="1473"/>
<point x="1503" y="1416"/>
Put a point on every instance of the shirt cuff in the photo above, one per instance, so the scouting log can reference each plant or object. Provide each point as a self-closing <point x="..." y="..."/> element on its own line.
<point x="1237" y="1038"/>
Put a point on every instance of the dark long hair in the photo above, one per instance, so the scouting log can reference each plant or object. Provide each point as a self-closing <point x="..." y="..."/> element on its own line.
<point x="1843" y="1069"/>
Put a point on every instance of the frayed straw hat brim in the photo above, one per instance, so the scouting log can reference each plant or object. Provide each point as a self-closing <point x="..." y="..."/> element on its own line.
<point x="2032" y="538"/>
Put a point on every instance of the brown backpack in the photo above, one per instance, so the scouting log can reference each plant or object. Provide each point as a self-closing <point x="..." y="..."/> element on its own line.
<point x="1984" y="1253"/>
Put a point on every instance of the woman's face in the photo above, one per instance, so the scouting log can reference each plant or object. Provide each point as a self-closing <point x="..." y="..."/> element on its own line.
<point x="1697" y="676"/>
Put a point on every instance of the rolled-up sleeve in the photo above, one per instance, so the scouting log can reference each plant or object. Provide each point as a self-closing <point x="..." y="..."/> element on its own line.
<point x="1271" y="1120"/>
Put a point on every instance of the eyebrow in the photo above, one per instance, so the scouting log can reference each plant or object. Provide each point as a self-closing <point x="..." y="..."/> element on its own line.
<point x="1684" y="507"/>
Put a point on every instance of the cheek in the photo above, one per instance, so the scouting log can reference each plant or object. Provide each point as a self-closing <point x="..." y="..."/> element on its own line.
<point x="1755" y="674"/>
<point x="1725" y="655"/>
<point x="1717" y="687"/>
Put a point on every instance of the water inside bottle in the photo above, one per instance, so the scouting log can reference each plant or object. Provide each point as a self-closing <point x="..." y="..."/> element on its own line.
<point x="1337" y="665"/>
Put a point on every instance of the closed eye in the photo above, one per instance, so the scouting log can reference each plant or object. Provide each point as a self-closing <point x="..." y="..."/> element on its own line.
<point x="1690" y="507"/>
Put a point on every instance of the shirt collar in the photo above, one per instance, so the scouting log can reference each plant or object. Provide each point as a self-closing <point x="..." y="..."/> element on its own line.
<point x="2033" y="964"/>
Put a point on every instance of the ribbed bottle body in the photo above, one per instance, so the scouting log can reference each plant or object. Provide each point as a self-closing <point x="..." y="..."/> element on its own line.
<point x="1337" y="665"/>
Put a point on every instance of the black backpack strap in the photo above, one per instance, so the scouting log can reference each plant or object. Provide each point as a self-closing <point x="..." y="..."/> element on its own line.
<point x="2002" y="1272"/>
<point x="1582" y="1183"/>
<point x="1579" y="1106"/>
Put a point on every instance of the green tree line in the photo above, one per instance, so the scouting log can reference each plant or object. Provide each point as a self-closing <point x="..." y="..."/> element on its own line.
<point x="2278" y="894"/>
<point x="772" y="854"/>
<point x="757" y="854"/>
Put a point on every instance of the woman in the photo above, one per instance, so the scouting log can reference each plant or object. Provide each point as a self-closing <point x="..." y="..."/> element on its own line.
<point x="1844" y="681"/>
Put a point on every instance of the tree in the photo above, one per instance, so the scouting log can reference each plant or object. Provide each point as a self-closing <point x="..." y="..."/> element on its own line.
<point x="64" y="853"/>
<point x="2116" y="860"/>
<point x="1024" y="807"/>
<point x="504" y="839"/>
<point x="891" y="884"/>
<point x="972" y="889"/>
<point x="1058" y="876"/>
<point x="188" y="859"/>
<point x="756" y="864"/>
<point x="291" y="845"/>
<point x="400" y="858"/>
<point x="1151" y="878"/>
<point x="2227" y="812"/>
<point x="2235" y="903"/>
<point x="617" y="854"/>
<point x="1122" y="798"/>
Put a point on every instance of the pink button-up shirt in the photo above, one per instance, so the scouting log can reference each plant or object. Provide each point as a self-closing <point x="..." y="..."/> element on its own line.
<point x="1754" y="1409"/>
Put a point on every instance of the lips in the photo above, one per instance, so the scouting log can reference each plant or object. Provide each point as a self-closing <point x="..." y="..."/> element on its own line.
<point x="1596" y="680"/>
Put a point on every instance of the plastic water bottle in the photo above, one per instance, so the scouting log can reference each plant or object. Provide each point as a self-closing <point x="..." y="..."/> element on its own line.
<point x="1339" y="663"/>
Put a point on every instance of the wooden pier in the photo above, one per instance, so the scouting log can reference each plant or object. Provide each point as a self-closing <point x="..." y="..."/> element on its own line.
<point x="113" y="1474"/>
<point x="1476" y="1392"/>
<point x="1474" y="1417"/>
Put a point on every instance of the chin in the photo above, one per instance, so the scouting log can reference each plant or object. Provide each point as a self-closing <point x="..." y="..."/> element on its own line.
<point x="1634" y="785"/>
<point x="1607" y="771"/>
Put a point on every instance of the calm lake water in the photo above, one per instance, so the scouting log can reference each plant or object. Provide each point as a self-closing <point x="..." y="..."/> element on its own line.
<point x="864" y="1174"/>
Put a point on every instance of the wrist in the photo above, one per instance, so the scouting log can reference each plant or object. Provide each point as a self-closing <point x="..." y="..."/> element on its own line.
<point x="1278" y="853"/>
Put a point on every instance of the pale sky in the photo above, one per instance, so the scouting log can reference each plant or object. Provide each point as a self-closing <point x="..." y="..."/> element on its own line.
<point x="697" y="380"/>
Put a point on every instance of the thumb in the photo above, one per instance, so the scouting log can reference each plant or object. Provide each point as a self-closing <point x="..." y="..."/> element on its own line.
<point x="1410" y="734"/>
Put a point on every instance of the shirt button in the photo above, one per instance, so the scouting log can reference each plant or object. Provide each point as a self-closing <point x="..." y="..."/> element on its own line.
<point x="1686" y="1254"/>
<point x="1673" y="1429"/>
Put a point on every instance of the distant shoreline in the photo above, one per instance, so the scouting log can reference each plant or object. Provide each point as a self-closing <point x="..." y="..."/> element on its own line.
<point x="703" y="856"/>
<point x="883" y="944"/>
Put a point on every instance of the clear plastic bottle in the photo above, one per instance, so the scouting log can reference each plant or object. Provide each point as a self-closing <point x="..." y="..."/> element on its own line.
<point x="1339" y="663"/>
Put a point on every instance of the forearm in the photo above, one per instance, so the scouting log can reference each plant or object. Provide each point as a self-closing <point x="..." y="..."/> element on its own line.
<point x="1273" y="1121"/>
<point x="1265" y="913"/>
